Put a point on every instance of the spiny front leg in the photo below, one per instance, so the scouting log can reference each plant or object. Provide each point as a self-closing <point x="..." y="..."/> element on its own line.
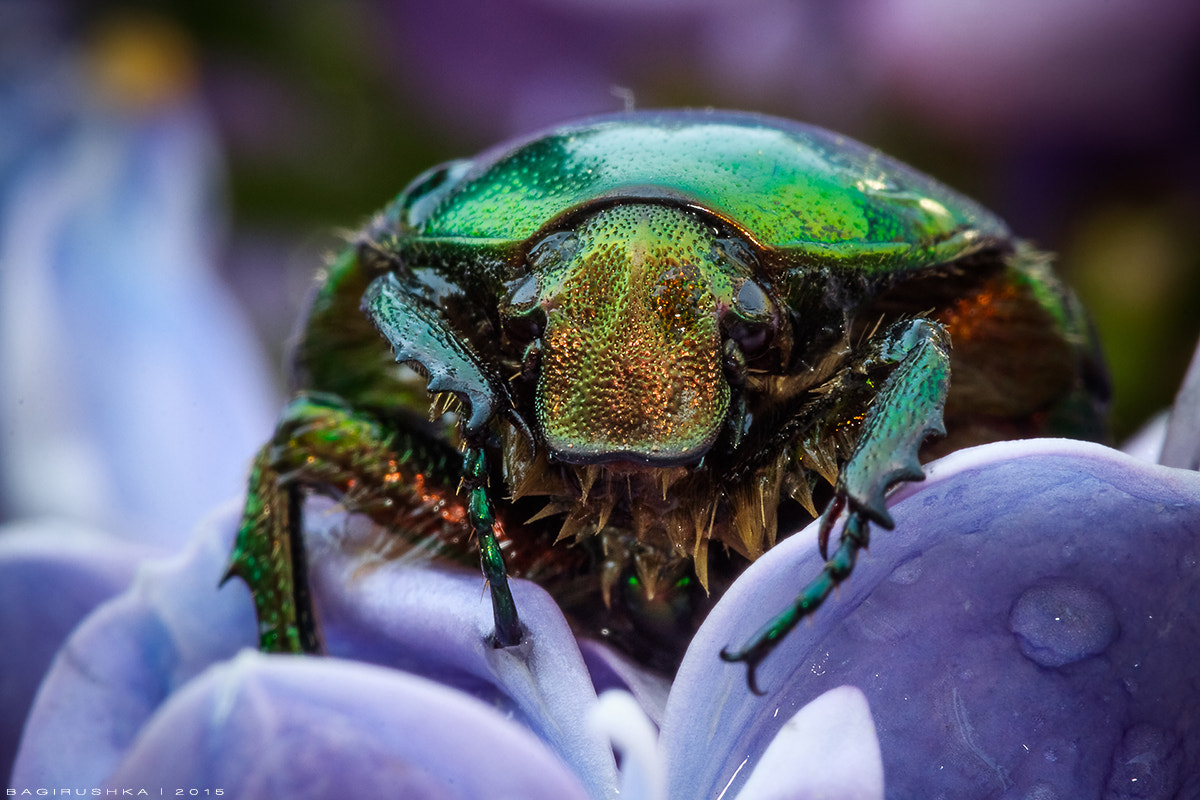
<point x="907" y="410"/>
<point x="420" y="334"/>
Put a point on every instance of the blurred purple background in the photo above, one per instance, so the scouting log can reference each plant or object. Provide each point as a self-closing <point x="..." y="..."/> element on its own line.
<point x="1076" y="121"/>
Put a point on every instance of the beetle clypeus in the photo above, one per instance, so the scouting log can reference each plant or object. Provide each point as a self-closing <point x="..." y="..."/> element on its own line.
<point x="648" y="343"/>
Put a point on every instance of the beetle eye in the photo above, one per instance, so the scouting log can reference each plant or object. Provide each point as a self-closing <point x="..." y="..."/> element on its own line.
<point x="752" y="320"/>
<point x="522" y="294"/>
<point x="524" y="318"/>
<point x="751" y="302"/>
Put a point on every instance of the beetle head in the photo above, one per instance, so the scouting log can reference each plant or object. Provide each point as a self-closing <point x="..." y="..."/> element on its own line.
<point x="630" y="312"/>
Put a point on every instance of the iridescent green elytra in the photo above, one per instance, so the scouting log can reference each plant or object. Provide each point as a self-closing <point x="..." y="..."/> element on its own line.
<point x="663" y="338"/>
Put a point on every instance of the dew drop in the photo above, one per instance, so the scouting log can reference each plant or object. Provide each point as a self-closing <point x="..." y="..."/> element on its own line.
<point x="1146" y="765"/>
<point x="1061" y="621"/>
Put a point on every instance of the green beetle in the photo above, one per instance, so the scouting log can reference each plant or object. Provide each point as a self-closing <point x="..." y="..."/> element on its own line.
<point x="639" y="347"/>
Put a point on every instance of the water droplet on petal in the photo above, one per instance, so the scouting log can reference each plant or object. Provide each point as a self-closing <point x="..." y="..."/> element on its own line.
<point x="1062" y="621"/>
<point x="1146" y="765"/>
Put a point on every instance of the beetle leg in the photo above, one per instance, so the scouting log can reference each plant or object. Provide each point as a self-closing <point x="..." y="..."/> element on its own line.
<point x="321" y="444"/>
<point x="837" y="569"/>
<point x="263" y="556"/>
<point x="907" y="410"/>
<point x="491" y="560"/>
<point x="419" y="333"/>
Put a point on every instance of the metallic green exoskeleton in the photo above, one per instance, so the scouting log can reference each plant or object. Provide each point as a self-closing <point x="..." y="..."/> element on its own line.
<point x="648" y="343"/>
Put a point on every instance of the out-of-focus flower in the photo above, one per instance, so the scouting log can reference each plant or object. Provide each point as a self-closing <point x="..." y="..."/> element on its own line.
<point x="1027" y="627"/>
<point x="993" y="70"/>
<point x="1181" y="436"/>
<point x="52" y="574"/>
<point x="1012" y="69"/>
<point x="132" y="393"/>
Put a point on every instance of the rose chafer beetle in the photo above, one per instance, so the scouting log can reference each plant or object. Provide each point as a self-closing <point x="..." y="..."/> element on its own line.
<point x="643" y="345"/>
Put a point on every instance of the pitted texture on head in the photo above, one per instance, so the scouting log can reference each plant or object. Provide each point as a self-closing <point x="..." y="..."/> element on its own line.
<point x="631" y="355"/>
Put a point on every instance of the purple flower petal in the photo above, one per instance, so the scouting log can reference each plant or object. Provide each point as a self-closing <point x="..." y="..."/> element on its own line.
<point x="279" y="726"/>
<point x="437" y="622"/>
<point x="611" y="669"/>
<point x="828" y="749"/>
<point x="620" y="719"/>
<point x="134" y="652"/>
<point x="1181" y="440"/>
<point x="1032" y="612"/>
<point x="1146" y="443"/>
<point x="128" y="656"/>
<point x="1028" y="624"/>
<point x="52" y="574"/>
